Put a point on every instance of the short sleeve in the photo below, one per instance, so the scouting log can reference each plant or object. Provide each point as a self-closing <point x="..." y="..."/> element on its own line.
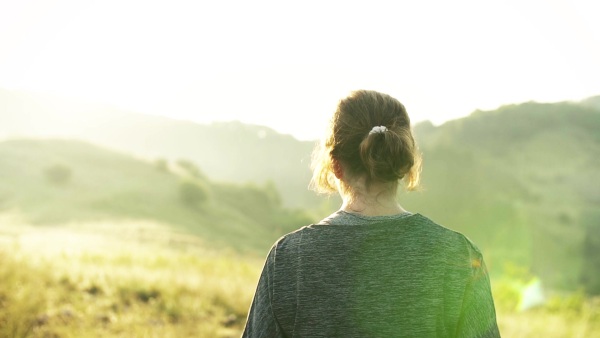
<point x="261" y="321"/>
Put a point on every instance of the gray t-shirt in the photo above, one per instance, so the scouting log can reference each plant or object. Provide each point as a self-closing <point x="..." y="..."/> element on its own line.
<point x="384" y="276"/>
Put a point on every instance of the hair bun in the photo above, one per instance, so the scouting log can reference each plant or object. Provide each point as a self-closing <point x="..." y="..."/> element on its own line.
<point x="387" y="158"/>
<point x="370" y="136"/>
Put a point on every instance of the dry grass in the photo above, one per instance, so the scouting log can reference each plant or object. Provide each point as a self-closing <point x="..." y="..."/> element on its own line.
<point x="139" y="279"/>
<point x="92" y="281"/>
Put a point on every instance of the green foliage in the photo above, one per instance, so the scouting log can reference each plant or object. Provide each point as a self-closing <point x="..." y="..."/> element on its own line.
<point x="58" y="174"/>
<point x="162" y="165"/>
<point x="110" y="185"/>
<point x="592" y="102"/>
<point x="517" y="181"/>
<point x="19" y="312"/>
<point x="262" y="204"/>
<point x="191" y="169"/>
<point x="590" y="272"/>
<point x="226" y="151"/>
<point x="572" y="303"/>
<point x="273" y="194"/>
<point x="248" y="199"/>
<point x="193" y="193"/>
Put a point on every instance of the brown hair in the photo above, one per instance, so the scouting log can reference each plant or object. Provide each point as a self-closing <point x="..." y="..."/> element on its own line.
<point x="385" y="156"/>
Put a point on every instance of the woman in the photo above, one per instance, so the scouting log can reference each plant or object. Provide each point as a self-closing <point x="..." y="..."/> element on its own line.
<point x="371" y="269"/>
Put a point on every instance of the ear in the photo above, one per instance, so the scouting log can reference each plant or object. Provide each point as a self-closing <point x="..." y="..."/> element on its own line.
<point x="338" y="170"/>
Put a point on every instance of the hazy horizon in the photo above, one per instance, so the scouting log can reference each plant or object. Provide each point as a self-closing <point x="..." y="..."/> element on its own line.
<point x="70" y="101"/>
<point x="285" y="66"/>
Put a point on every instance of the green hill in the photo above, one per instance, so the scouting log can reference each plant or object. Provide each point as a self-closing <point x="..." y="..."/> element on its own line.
<point x="592" y="102"/>
<point x="57" y="181"/>
<point x="227" y="151"/>
<point x="522" y="181"/>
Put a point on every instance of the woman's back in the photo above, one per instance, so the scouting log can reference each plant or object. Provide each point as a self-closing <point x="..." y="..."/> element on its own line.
<point x="403" y="277"/>
<point x="371" y="269"/>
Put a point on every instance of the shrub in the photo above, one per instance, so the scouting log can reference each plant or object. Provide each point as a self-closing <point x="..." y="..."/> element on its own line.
<point x="58" y="174"/>
<point x="162" y="165"/>
<point x="193" y="193"/>
<point x="191" y="169"/>
<point x="590" y="272"/>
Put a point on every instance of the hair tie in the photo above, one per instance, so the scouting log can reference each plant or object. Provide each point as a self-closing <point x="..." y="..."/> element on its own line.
<point x="378" y="129"/>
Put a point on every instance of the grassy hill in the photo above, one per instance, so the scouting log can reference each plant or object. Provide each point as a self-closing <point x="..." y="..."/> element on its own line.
<point x="231" y="151"/>
<point x="592" y="102"/>
<point x="98" y="183"/>
<point x="522" y="181"/>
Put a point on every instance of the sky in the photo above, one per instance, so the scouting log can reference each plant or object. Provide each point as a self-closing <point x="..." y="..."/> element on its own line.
<point x="285" y="64"/>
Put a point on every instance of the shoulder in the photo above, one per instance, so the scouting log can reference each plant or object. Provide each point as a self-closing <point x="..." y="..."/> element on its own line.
<point x="285" y="243"/>
<point x="290" y="240"/>
<point x="434" y="226"/>
<point x="420" y="228"/>
<point x="289" y="246"/>
<point x="426" y="224"/>
<point x="450" y="239"/>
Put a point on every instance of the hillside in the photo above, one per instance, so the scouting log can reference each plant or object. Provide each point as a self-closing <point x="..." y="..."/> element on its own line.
<point x="233" y="151"/>
<point x="523" y="182"/>
<point x="58" y="181"/>
<point x="592" y="102"/>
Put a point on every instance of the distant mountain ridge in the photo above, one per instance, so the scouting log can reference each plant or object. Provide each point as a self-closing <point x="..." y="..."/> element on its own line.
<point x="55" y="181"/>
<point x="592" y="102"/>
<point x="523" y="181"/>
<point x="229" y="151"/>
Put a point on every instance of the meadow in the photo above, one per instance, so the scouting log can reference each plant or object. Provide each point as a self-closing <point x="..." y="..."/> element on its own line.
<point x="142" y="279"/>
<point x="127" y="279"/>
<point x="119" y="234"/>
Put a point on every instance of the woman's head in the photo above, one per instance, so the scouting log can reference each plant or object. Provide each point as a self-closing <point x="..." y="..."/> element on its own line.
<point x="370" y="137"/>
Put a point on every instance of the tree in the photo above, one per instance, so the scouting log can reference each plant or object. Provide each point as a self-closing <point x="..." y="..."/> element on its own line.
<point x="273" y="194"/>
<point x="191" y="169"/>
<point x="590" y="272"/>
<point x="58" y="174"/>
<point x="162" y="165"/>
<point x="193" y="193"/>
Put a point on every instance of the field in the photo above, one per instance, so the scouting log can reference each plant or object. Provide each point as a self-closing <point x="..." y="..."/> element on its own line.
<point x="98" y="280"/>
<point x="140" y="279"/>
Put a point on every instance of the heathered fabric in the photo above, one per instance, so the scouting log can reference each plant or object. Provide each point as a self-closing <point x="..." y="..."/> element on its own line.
<point x="342" y="217"/>
<point x="400" y="276"/>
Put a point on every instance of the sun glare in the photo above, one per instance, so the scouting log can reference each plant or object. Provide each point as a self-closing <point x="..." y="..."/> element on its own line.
<point x="270" y="63"/>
